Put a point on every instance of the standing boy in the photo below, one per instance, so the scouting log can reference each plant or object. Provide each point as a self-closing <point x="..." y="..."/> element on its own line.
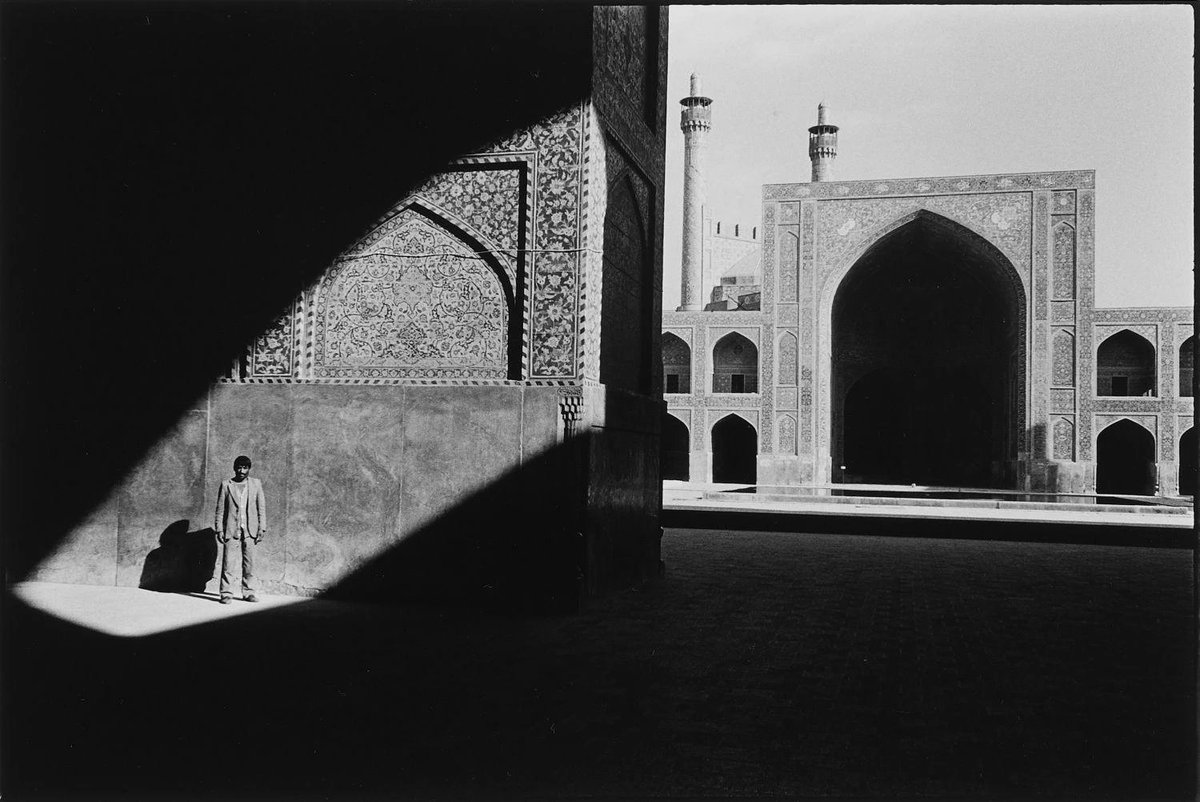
<point x="241" y="516"/>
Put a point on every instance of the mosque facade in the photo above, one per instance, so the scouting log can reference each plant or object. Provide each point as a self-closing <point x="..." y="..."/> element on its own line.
<point x="935" y="331"/>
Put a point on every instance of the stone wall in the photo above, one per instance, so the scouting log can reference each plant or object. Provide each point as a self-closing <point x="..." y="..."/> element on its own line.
<point x="425" y="414"/>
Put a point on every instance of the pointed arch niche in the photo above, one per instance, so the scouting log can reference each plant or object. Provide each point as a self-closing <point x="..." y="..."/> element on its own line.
<point x="735" y="365"/>
<point x="677" y="364"/>
<point x="1125" y="365"/>
<point x="425" y="300"/>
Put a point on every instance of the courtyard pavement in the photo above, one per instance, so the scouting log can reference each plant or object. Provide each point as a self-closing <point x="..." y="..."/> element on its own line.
<point x="765" y="664"/>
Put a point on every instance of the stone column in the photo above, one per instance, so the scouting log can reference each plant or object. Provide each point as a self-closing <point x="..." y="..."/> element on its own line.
<point x="695" y="122"/>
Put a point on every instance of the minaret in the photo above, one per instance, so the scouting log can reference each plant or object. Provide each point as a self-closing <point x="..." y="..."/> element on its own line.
<point x="822" y="146"/>
<point x="695" y="122"/>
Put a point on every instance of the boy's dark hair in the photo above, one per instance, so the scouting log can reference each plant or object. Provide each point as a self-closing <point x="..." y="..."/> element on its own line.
<point x="240" y="461"/>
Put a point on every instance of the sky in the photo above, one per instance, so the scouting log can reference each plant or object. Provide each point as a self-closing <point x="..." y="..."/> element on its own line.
<point x="953" y="90"/>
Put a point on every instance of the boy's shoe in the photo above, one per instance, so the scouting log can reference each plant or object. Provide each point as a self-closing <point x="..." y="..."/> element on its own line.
<point x="226" y="600"/>
<point x="251" y="598"/>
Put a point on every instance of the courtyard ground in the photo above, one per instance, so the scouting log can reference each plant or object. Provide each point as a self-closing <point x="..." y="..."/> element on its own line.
<point x="783" y="663"/>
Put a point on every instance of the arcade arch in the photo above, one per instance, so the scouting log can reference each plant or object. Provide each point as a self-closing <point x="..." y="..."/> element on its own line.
<point x="735" y="365"/>
<point x="1125" y="459"/>
<point x="927" y="366"/>
<point x="734" y="450"/>
<point x="1187" y="362"/>
<point x="677" y="364"/>
<point x="674" y="447"/>
<point x="1125" y="365"/>
<point x="1189" y="463"/>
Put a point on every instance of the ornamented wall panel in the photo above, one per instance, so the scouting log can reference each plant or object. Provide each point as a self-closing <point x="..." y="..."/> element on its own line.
<point x="275" y="352"/>
<point x="846" y="226"/>
<point x="1086" y="296"/>
<point x="1068" y="180"/>
<point x="419" y="303"/>
<point x="787" y="435"/>
<point x="1063" y="366"/>
<point x="789" y="252"/>
<point x="1062" y="400"/>
<point x="1064" y="439"/>
<point x="788" y="356"/>
<point x="1147" y="422"/>
<point x="1064" y="202"/>
<point x="1040" y="299"/>
<point x="1064" y="261"/>
<point x="1062" y="311"/>
<point x="1148" y="331"/>
<point x="556" y="259"/>
<point x="808" y="323"/>
<point x="682" y="332"/>
<point x="766" y="427"/>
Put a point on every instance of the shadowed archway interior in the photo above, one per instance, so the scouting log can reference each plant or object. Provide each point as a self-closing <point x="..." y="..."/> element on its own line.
<point x="1125" y="460"/>
<point x="1125" y="365"/>
<point x="735" y="451"/>
<point x="674" y="444"/>
<point x="926" y="353"/>
<point x="1188" y="463"/>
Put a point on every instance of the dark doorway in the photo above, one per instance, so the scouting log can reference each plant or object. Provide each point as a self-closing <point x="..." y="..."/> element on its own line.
<point x="1188" y="459"/>
<point x="1125" y="460"/>
<point x="915" y="425"/>
<point x="735" y="451"/>
<point x="674" y="455"/>
<point x="927" y="386"/>
<point x="1125" y="365"/>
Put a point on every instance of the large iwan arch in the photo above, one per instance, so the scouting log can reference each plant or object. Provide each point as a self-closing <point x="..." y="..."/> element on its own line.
<point x="926" y="369"/>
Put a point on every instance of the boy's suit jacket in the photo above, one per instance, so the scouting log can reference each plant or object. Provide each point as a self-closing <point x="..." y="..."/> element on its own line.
<point x="230" y="517"/>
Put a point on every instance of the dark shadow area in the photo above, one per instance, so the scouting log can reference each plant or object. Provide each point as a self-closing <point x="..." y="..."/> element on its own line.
<point x="184" y="562"/>
<point x="1189" y="463"/>
<point x="676" y="444"/>
<point x="782" y="665"/>
<point x="155" y="151"/>
<point x="516" y="546"/>
<point x="734" y="450"/>
<point x="1130" y="534"/>
<point x="1187" y="367"/>
<point x="919" y="425"/>
<point x="1125" y="460"/>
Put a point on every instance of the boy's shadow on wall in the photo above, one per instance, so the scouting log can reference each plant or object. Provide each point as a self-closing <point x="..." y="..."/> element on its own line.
<point x="184" y="562"/>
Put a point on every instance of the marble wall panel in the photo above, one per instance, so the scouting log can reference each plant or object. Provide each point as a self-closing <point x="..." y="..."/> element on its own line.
<point x="456" y="442"/>
<point x="348" y="448"/>
<point x="541" y="421"/>
<point x="88" y="556"/>
<point x="167" y="486"/>
<point x="254" y="420"/>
